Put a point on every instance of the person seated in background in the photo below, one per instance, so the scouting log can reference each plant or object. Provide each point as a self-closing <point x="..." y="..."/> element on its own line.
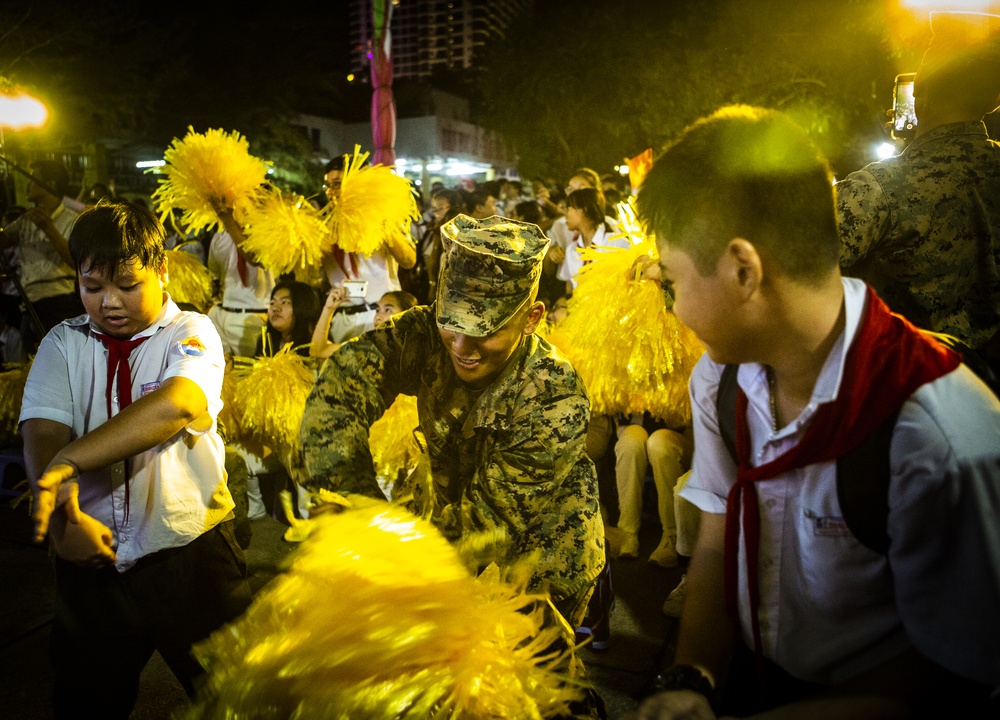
<point x="291" y="319"/>
<point x="645" y="444"/>
<point x="586" y="218"/>
<point x="389" y="305"/>
<point x="825" y="582"/>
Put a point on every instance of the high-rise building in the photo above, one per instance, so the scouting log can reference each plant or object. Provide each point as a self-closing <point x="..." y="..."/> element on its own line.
<point x="427" y="34"/>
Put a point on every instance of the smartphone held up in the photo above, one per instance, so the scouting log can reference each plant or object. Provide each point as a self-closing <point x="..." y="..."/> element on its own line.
<point x="904" y="116"/>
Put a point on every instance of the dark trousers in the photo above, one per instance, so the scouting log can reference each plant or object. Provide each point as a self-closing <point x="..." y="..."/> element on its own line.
<point x="107" y="625"/>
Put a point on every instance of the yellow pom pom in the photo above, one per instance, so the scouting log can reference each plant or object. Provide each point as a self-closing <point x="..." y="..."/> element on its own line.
<point x="188" y="280"/>
<point x="633" y="354"/>
<point x="271" y="398"/>
<point x="203" y="167"/>
<point x="391" y="439"/>
<point x="376" y="208"/>
<point x="12" y="381"/>
<point x="285" y="233"/>
<point x="376" y="617"/>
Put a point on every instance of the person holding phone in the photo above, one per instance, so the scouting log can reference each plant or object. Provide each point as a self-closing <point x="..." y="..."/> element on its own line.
<point x="921" y="227"/>
<point x="364" y="278"/>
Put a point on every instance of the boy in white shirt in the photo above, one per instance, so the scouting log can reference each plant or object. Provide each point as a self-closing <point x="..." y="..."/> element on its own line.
<point x="127" y="471"/>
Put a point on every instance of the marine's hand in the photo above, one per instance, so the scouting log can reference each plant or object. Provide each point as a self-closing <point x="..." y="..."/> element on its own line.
<point x="78" y="537"/>
<point x="50" y="493"/>
<point x="675" y="705"/>
<point x="644" y="268"/>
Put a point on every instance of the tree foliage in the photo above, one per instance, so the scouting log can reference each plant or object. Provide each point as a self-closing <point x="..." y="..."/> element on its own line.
<point x="591" y="83"/>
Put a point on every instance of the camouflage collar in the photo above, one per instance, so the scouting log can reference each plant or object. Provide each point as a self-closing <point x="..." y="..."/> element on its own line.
<point x="493" y="408"/>
<point x="948" y="132"/>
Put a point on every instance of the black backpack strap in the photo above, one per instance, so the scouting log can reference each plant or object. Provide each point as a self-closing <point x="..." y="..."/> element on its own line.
<point x="863" y="487"/>
<point x="725" y="408"/>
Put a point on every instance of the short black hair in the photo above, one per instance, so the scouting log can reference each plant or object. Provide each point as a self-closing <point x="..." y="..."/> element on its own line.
<point x="528" y="211"/>
<point x="744" y="172"/>
<point x="305" y="311"/>
<point x="112" y="232"/>
<point x="478" y="197"/>
<point x="53" y="174"/>
<point x="591" y="202"/>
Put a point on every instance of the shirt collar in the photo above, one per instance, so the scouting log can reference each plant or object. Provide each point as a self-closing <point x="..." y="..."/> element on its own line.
<point x="752" y="377"/>
<point x="946" y="132"/>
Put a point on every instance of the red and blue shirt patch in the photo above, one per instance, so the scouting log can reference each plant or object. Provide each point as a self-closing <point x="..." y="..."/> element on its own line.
<point x="192" y="347"/>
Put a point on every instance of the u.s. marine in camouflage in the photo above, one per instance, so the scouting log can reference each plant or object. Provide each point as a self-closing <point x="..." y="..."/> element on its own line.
<point x="923" y="229"/>
<point x="507" y="459"/>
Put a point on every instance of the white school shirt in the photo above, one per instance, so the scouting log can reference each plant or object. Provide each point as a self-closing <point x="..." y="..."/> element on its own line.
<point x="572" y="263"/>
<point x="44" y="273"/>
<point x="831" y="608"/>
<point x="177" y="489"/>
<point x="380" y="269"/>
<point x="223" y="264"/>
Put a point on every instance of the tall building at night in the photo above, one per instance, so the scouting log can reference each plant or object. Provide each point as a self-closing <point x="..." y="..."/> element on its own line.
<point x="429" y="34"/>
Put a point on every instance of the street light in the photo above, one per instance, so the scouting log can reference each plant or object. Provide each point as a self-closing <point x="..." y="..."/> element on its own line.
<point x="18" y="111"/>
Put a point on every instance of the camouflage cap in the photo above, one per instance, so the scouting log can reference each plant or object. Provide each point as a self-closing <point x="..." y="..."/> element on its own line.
<point x="489" y="268"/>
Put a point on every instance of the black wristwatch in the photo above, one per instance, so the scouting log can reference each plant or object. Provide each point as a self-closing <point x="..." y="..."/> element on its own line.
<point x="684" y="677"/>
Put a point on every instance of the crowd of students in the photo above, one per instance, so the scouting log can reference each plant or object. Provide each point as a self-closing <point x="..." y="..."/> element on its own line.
<point x="842" y="466"/>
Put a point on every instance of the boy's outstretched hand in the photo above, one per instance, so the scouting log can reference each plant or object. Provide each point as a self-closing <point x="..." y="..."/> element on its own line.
<point x="78" y="537"/>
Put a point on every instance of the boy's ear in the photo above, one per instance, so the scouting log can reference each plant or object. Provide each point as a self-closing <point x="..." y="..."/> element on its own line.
<point x="162" y="273"/>
<point x="744" y="265"/>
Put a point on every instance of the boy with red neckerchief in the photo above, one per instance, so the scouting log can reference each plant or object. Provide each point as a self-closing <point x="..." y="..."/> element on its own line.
<point x="787" y="612"/>
<point x="127" y="472"/>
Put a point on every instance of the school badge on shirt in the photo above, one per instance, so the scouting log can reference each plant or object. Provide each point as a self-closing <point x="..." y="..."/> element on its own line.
<point x="192" y="347"/>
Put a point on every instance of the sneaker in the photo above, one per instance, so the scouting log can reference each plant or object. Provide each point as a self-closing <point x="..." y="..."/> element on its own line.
<point x="674" y="603"/>
<point x="666" y="554"/>
<point x="622" y="544"/>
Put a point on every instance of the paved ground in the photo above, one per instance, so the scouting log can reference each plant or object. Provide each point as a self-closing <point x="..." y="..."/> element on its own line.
<point x="640" y="632"/>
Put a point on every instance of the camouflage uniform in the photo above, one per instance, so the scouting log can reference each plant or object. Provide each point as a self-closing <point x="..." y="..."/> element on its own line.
<point x="923" y="229"/>
<point x="508" y="460"/>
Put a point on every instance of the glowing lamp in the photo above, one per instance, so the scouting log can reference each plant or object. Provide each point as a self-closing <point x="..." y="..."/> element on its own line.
<point x="18" y="110"/>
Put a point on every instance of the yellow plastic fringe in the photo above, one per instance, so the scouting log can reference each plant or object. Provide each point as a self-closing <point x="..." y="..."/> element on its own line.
<point x="376" y="207"/>
<point x="188" y="280"/>
<point x="271" y="398"/>
<point x="285" y="233"/>
<point x="391" y="438"/>
<point x="202" y="167"/>
<point x="633" y="354"/>
<point x="12" y="381"/>
<point x="376" y="618"/>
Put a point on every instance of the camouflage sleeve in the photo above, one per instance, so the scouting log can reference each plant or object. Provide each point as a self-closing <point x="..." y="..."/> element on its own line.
<point x="355" y="386"/>
<point x="863" y="213"/>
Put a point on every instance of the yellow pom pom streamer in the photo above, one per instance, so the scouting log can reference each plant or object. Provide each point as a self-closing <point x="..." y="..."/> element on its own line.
<point x="376" y="618"/>
<point x="376" y="208"/>
<point x="633" y="354"/>
<point x="12" y="381"/>
<point x="285" y="233"/>
<point x="201" y="168"/>
<point x="188" y="280"/>
<point x="391" y="439"/>
<point x="271" y="398"/>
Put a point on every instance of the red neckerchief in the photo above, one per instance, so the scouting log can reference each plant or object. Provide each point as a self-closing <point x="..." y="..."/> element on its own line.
<point x="889" y="360"/>
<point x="118" y="355"/>
<point x="341" y="258"/>
<point x="241" y="267"/>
